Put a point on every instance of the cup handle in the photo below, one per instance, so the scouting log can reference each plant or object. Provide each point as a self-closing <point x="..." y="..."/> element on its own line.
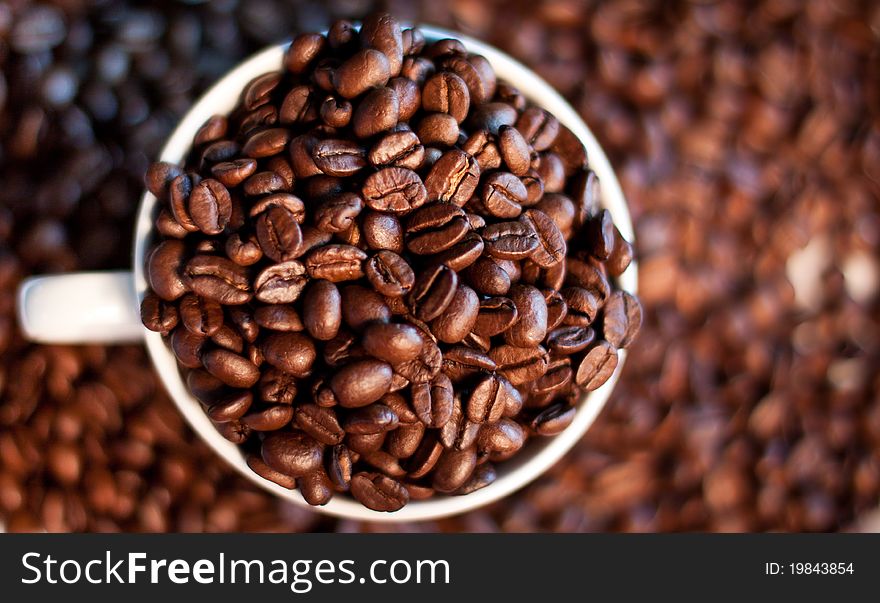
<point x="83" y="307"/>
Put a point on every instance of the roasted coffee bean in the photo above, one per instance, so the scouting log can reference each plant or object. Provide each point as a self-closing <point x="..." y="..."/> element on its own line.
<point x="488" y="399"/>
<point x="337" y="213"/>
<point x="378" y="492"/>
<point x="557" y="309"/>
<point x="168" y="227"/>
<point x="382" y="32"/>
<point x="320" y="423"/>
<point x="401" y="149"/>
<point x="322" y="310"/>
<point x="432" y="292"/>
<point x="365" y="69"/>
<point x="266" y="143"/>
<point x="281" y="283"/>
<point x="382" y="231"/>
<point x="335" y="157"/>
<point x="219" y="151"/>
<point x="316" y="488"/>
<point x="446" y="92"/>
<point x="336" y="263"/>
<point x="389" y="274"/>
<point x="496" y="315"/>
<point x="621" y="256"/>
<point x="303" y="52"/>
<point x="269" y="418"/>
<point x="552" y="172"/>
<point x="556" y="379"/>
<point x="231" y="406"/>
<point x="538" y="127"/>
<point x="459" y="317"/>
<point x="187" y="347"/>
<point x="459" y="432"/>
<point x="404" y="441"/>
<point x="588" y="275"/>
<point x="510" y="240"/>
<point x="259" y="467"/>
<point x="335" y="112"/>
<point x="291" y="352"/>
<point x="291" y="203"/>
<point x="423" y="460"/>
<point x="453" y="178"/>
<point x="362" y="444"/>
<point x="438" y="130"/>
<point x="377" y="112"/>
<point x="257" y="91"/>
<point x="158" y="315"/>
<point x="487" y="277"/>
<point x="210" y="206"/>
<point x="393" y="343"/>
<point x="534" y="187"/>
<point x="553" y="419"/>
<point x="339" y="465"/>
<point x="520" y="365"/>
<point x="433" y="402"/>
<point x="409" y="97"/>
<point x="597" y="366"/>
<point x="201" y="316"/>
<point x="514" y="150"/>
<point x="276" y="386"/>
<point x="586" y="195"/>
<point x="361" y="306"/>
<point x="482" y="146"/>
<point x="264" y="183"/>
<point x="479" y="88"/>
<point x="462" y="254"/>
<point x="234" y="431"/>
<point x="453" y="469"/>
<point x="482" y="476"/>
<point x="530" y="327"/>
<point x="230" y="368"/>
<point x="394" y="189"/>
<point x="361" y="382"/>
<point x="228" y="337"/>
<point x="423" y="367"/>
<point x="279" y="234"/>
<point x="583" y="304"/>
<point x="218" y="279"/>
<point x="502" y="195"/>
<point x="292" y="453"/>
<point x="460" y="362"/>
<point x="434" y="228"/>
<point x="551" y="247"/>
<point x="600" y="234"/>
<point x="491" y="117"/>
<point x="298" y="106"/>
<point x="371" y="419"/>
<point x="504" y="436"/>
<point x="164" y="267"/>
<point x="569" y="340"/>
<point x="159" y="177"/>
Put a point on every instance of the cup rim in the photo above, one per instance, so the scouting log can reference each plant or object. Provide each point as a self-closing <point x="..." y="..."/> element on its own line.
<point x="515" y="473"/>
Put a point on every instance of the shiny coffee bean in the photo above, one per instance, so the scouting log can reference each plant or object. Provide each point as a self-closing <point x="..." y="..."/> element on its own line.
<point x="461" y="362"/>
<point x="335" y="263"/>
<point x="446" y="92"/>
<point x="553" y="419"/>
<point x="382" y="231"/>
<point x="320" y="423"/>
<point x="393" y="343"/>
<point x="496" y="315"/>
<point x="370" y="419"/>
<point x="434" y="228"/>
<point x="454" y="178"/>
<point x="389" y="274"/>
<point x="291" y="352"/>
<point x="510" y="240"/>
<point x="396" y="190"/>
<point x="201" y="316"/>
<point x="378" y="492"/>
<point x="322" y="310"/>
<point x="520" y="365"/>
<point x="218" y="279"/>
<point x="597" y="366"/>
<point x="433" y="402"/>
<point x="361" y="382"/>
<point x="281" y="283"/>
<point x="432" y="292"/>
<point x="362" y="306"/>
<point x="459" y="318"/>
<point x="292" y="453"/>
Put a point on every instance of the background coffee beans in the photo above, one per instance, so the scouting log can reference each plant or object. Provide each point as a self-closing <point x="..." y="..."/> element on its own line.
<point x="661" y="104"/>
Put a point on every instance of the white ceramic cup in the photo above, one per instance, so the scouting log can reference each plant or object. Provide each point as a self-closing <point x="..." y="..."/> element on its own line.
<point x="103" y="307"/>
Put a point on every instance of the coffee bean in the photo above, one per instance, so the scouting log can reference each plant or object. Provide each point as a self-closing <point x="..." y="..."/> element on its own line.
<point x="491" y="117"/>
<point x="600" y="233"/>
<point x="361" y="306"/>
<point x="394" y="189"/>
<point x="425" y="366"/>
<point x="459" y="318"/>
<point x="504" y="436"/>
<point x="551" y="247"/>
<point x="588" y="275"/>
<point x="338" y="213"/>
<point x="339" y="465"/>
<point x="266" y="143"/>
<point x="259" y="467"/>
<point x="363" y="444"/>
<point x="279" y="234"/>
<point x="336" y="263"/>
<point x="401" y="149"/>
<point x="158" y="315"/>
<point x="316" y="488"/>
<point x="434" y="228"/>
<point x="482" y="146"/>
<point x="389" y="274"/>
<point x="269" y="418"/>
<point x="234" y="431"/>
<point x="361" y="382"/>
<point x="244" y="252"/>
<point x="365" y="69"/>
<point x="569" y="340"/>
<point x="164" y="267"/>
<point x="187" y="347"/>
<point x="586" y="194"/>
<point x="438" y="130"/>
<point x="433" y="292"/>
<point x="382" y="231"/>
<point x="301" y="149"/>
<point x="281" y="283"/>
<point x="336" y="112"/>
<point x="257" y="91"/>
<point x="291" y="203"/>
<point x="557" y="378"/>
<point x="370" y="419"/>
<point x="159" y="177"/>
<point x="488" y="399"/>
<point x="538" y="128"/>
<point x="530" y="327"/>
<point x="298" y="106"/>
<point x="520" y="365"/>
<point x="480" y="90"/>
<point x="378" y="492"/>
<point x="557" y="309"/>
<point x="292" y="453"/>
<point x="201" y="316"/>
<point x="621" y="257"/>
<point x="459" y="432"/>
<point x="553" y="419"/>
<point x="409" y="97"/>
<point x="510" y="240"/>
<point x="277" y="387"/>
<point x="393" y="343"/>
<point x="502" y="194"/>
<point x="377" y="112"/>
<point x="514" y="150"/>
<point x="597" y="366"/>
<point x="433" y="401"/>
<point x="460" y="362"/>
<point x="218" y="279"/>
<point x="453" y="178"/>
<point x="291" y="352"/>
<point x="320" y="423"/>
<point x="303" y="52"/>
<point x="231" y="407"/>
<point x="534" y="187"/>
<point x="487" y="277"/>
<point x="404" y="441"/>
<point x="231" y="368"/>
<point x="583" y="304"/>
<point x="445" y="92"/>
<point x="552" y="171"/>
<point x="335" y="157"/>
<point x="453" y="469"/>
<point x="496" y="315"/>
<point x="462" y="254"/>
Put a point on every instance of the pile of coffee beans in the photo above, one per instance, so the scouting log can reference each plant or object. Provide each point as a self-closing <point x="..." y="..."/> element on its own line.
<point x="385" y="270"/>
<point x="741" y="130"/>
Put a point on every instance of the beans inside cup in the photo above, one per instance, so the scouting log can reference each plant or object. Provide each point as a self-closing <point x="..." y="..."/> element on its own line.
<point x="384" y="272"/>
